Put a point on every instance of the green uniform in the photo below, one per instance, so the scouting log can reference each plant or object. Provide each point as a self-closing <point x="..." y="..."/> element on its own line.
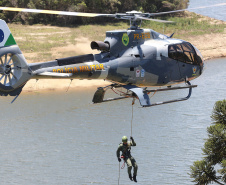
<point x="130" y="161"/>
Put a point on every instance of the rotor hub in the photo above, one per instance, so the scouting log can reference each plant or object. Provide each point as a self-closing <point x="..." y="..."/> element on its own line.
<point x="7" y="69"/>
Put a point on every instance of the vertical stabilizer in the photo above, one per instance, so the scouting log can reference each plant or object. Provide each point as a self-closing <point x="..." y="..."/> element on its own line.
<point x="6" y="37"/>
<point x="14" y="70"/>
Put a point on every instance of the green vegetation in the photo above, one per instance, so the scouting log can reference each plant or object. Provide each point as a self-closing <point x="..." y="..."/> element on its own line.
<point x="187" y="24"/>
<point x="90" y="6"/>
<point x="204" y="172"/>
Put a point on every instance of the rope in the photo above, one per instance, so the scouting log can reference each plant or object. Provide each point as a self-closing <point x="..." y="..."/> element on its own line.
<point x="153" y="93"/>
<point x="132" y="116"/>
<point x="119" y="173"/>
<point x="122" y="93"/>
<point x="123" y="165"/>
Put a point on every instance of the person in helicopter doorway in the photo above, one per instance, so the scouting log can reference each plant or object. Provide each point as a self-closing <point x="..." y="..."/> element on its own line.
<point x="125" y="148"/>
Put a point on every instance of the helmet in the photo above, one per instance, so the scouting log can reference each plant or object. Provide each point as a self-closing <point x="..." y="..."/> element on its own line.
<point x="124" y="139"/>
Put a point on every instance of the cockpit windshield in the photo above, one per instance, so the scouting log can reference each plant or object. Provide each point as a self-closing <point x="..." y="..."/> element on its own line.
<point x="184" y="52"/>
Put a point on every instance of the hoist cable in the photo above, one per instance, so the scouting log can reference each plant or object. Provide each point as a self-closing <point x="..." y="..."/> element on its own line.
<point x="123" y="165"/>
<point x="119" y="173"/>
<point x="132" y="116"/>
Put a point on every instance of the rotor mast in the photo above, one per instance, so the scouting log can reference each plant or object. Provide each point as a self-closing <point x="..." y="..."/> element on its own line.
<point x="134" y="18"/>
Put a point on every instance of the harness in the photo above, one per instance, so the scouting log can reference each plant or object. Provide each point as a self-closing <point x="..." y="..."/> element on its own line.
<point x="126" y="152"/>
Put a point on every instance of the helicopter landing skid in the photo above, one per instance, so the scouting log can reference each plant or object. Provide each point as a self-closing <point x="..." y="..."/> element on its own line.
<point x="189" y="86"/>
<point x="99" y="94"/>
<point x="140" y="93"/>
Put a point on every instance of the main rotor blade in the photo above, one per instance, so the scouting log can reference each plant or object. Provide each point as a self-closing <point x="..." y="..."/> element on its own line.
<point x="81" y="14"/>
<point x="156" y="20"/>
<point x="188" y="9"/>
<point x="129" y="15"/>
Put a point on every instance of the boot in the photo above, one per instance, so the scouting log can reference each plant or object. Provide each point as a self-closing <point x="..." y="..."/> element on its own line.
<point x="130" y="177"/>
<point x="135" y="178"/>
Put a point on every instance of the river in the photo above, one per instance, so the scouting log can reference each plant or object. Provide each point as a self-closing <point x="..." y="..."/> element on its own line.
<point x="61" y="138"/>
<point x="218" y="12"/>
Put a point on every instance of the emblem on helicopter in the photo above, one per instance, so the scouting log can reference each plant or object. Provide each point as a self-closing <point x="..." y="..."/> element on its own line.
<point x="142" y="73"/>
<point x="137" y="73"/>
<point x="1" y="35"/>
<point x="125" y="39"/>
<point x="194" y="69"/>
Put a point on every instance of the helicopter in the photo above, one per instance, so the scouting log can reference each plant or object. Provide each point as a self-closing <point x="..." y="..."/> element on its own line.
<point x="132" y="59"/>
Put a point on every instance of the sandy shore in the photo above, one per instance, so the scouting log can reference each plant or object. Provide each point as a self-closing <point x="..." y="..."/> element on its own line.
<point x="210" y="45"/>
<point x="62" y="84"/>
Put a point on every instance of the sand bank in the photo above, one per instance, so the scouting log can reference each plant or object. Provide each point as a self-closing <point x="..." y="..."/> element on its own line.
<point x="62" y="84"/>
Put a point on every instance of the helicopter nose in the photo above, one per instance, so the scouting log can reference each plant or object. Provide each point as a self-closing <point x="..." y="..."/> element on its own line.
<point x="202" y="67"/>
<point x="200" y="60"/>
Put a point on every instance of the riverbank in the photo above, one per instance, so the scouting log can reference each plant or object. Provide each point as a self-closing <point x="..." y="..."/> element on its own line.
<point x="44" y="43"/>
<point x="210" y="45"/>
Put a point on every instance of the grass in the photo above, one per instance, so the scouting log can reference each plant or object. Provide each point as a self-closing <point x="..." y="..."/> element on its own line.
<point x="189" y="25"/>
<point x="39" y="41"/>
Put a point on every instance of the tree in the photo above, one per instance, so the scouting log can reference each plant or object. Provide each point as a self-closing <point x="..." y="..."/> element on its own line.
<point x="204" y="172"/>
<point x="89" y="6"/>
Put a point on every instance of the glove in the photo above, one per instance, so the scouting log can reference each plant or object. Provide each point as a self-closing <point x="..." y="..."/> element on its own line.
<point x="119" y="160"/>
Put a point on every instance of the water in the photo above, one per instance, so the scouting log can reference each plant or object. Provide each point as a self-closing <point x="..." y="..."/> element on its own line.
<point x="60" y="138"/>
<point x="218" y="12"/>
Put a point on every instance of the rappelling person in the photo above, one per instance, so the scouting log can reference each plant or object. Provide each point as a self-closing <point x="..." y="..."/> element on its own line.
<point x="125" y="148"/>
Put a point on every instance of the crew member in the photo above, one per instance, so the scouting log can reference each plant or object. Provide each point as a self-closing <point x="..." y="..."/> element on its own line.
<point x="125" y="148"/>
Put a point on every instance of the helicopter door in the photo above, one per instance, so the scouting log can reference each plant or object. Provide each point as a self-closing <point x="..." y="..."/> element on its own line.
<point x="137" y="57"/>
<point x="185" y="55"/>
<point x="125" y="67"/>
<point x="173" y="64"/>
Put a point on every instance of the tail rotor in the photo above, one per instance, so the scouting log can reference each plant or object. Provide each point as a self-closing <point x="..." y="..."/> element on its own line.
<point x="9" y="69"/>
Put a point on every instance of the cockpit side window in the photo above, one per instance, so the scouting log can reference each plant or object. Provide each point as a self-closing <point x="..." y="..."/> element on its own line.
<point x="183" y="52"/>
<point x="172" y="52"/>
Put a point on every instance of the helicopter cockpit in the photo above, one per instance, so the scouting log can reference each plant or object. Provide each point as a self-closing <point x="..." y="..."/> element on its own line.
<point x="186" y="53"/>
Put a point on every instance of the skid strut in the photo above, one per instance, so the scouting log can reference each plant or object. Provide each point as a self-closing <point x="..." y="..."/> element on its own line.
<point x="172" y="88"/>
